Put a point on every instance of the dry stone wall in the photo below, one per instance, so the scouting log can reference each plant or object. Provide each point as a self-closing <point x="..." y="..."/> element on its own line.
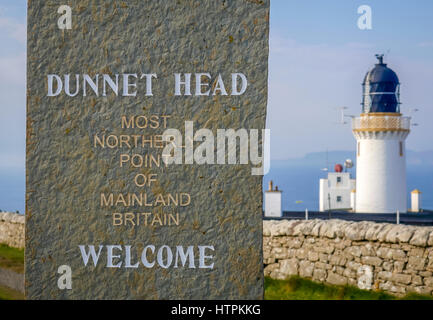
<point x="397" y="259"/>
<point x="12" y="229"/>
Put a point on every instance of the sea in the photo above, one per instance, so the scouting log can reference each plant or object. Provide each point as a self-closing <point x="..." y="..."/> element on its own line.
<point x="299" y="181"/>
<point x="12" y="189"/>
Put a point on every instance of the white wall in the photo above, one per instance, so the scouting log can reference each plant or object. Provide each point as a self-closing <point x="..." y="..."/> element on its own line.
<point x="273" y="204"/>
<point x="353" y="199"/>
<point x="415" y="198"/>
<point x="339" y="192"/>
<point x="381" y="172"/>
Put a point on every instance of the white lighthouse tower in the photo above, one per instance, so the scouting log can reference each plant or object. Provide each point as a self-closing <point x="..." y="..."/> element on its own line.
<point x="380" y="132"/>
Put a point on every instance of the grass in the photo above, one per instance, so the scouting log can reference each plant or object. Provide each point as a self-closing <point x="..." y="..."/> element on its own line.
<point x="296" y="288"/>
<point x="11" y="258"/>
<point x="9" y="294"/>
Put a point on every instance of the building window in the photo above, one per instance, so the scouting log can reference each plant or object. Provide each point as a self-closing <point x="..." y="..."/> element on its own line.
<point x="401" y="149"/>
<point x="338" y="179"/>
<point x="359" y="149"/>
<point x="338" y="198"/>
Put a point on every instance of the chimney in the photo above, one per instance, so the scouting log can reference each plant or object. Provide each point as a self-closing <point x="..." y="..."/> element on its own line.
<point x="271" y="186"/>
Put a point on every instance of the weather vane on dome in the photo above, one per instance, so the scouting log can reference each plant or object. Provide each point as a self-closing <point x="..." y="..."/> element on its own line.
<point x="380" y="58"/>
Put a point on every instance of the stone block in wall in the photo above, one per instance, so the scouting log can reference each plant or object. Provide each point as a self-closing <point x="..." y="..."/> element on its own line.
<point x="277" y="228"/>
<point x="385" y="285"/>
<point x="423" y="290"/>
<point x="354" y="251"/>
<point x="305" y="228"/>
<point x="399" y="234"/>
<point x="267" y="253"/>
<point x="420" y="237"/>
<point x="349" y="273"/>
<point x="384" y="275"/>
<point x="357" y="259"/>
<point x="429" y="266"/>
<point x="417" y="280"/>
<point x="381" y="236"/>
<point x="313" y="256"/>
<point x="387" y="265"/>
<point x="416" y="263"/>
<point x="425" y="274"/>
<point x="319" y="275"/>
<point x="391" y="254"/>
<point x="352" y="265"/>
<point x="391" y="287"/>
<point x="270" y="268"/>
<point x="367" y="249"/>
<point x="373" y="231"/>
<point x="317" y="228"/>
<point x="276" y="242"/>
<point x="291" y="253"/>
<point x="399" y="255"/>
<point x="356" y="231"/>
<point x="336" y="279"/>
<point x="428" y="282"/>
<point x="416" y="252"/>
<point x="279" y="253"/>
<point x="310" y="240"/>
<point x="333" y="229"/>
<point x="323" y="257"/>
<point x="399" y="266"/>
<point x="306" y="269"/>
<point x="288" y="267"/>
<point x="320" y="265"/>
<point x="430" y="240"/>
<point x="371" y="261"/>
<point x="401" y="278"/>
<point x="337" y="260"/>
<point x="339" y="244"/>
<point x="269" y="261"/>
<point x="384" y="253"/>
<point x="406" y="247"/>
<point x="325" y="247"/>
<point x="294" y="243"/>
<point x="339" y="270"/>
<point x="301" y="254"/>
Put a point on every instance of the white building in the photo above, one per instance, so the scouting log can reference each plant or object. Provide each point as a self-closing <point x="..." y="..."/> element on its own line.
<point x="415" y="197"/>
<point x="380" y="132"/>
<point x="335" y="191"/>
<point x="273" y="202"/>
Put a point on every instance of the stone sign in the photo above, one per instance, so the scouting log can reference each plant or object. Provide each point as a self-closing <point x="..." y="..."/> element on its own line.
<point x="145" y="149"/>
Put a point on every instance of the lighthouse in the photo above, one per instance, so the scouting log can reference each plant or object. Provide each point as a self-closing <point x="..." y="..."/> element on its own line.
<point x="380" y="132"/>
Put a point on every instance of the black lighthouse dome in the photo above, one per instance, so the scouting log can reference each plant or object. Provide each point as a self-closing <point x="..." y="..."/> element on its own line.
<point x="381" y="89"/>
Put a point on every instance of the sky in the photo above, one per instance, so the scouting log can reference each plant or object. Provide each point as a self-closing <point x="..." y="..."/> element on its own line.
<point x="318" y="58"/>
<point x="12" y="83"/>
